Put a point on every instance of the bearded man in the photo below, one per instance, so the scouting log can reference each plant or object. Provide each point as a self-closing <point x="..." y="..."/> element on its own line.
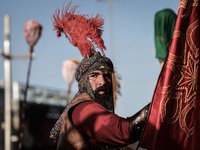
<point x="89" y="121"/>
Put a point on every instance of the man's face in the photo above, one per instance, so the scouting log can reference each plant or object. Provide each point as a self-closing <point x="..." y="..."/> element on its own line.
<point x="99" y="87"/>
<point x="101" y="82"/>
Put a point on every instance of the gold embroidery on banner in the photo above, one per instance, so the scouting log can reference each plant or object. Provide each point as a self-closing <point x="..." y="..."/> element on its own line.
<point x="187" y="4"/>
<point x="188" y="81"/>
<point x="182" y="89"/>
<point x="182" y="120"/>
<point x="176" y="34"/>
<point x="189" y="33"/>
<point x="176" y="115"/>
<point x="196" y="3"/>
<point x="183" y="4"/>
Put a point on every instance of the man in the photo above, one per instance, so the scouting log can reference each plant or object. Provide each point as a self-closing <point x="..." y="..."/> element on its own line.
<point x="89" y="121"/>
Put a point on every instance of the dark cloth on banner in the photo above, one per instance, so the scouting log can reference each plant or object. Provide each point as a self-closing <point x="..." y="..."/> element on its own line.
<point x="165" y="20"/>
<point x="174" y="118"/>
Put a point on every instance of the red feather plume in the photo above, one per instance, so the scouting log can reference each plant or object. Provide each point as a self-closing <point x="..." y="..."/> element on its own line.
<point x="81" y="30"/>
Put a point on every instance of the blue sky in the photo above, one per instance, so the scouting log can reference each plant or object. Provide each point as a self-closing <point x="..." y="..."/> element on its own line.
<point x="133" y="40"/>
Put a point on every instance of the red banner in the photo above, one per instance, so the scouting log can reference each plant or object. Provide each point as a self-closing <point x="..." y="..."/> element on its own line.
<point x="174" y="119"/>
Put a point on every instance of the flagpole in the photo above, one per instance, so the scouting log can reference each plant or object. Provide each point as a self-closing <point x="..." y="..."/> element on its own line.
<point x="7" y="74"/>
<point x="6" y="54"/>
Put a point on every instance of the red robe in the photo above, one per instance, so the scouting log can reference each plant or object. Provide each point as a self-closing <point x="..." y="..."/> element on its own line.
<point x="100" y="125"/>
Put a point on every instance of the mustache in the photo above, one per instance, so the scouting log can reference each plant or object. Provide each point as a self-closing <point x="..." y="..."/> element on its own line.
<point x="101" y="88"/>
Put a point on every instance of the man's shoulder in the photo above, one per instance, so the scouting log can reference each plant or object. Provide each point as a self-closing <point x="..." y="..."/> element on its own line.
<point x="84" y="97"/>
<point x="81" y="98"/>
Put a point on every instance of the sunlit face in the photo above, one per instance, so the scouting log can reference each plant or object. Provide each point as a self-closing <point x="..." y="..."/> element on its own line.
<point x="97" y="79"/>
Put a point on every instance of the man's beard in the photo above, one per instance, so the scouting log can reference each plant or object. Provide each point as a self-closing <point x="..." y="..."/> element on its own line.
<point x="105" y="99"/>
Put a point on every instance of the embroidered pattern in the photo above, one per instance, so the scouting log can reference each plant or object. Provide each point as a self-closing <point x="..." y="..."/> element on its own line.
<point x="182" y="89"/>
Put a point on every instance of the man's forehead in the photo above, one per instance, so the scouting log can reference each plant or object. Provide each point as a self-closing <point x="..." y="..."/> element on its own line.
<point x="99" y="71"/>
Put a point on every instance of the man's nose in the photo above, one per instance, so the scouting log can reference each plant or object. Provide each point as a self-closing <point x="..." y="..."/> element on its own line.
<point x="101" y="80"/>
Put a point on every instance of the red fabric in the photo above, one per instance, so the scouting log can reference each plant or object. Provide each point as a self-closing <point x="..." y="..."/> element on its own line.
<point x="100" y="125"/>
<point x="174" y="120"/>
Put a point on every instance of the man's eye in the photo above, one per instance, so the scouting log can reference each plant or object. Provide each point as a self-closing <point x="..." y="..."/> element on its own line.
<point x="93" y="75"/>
<point x="108" y="76"/>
